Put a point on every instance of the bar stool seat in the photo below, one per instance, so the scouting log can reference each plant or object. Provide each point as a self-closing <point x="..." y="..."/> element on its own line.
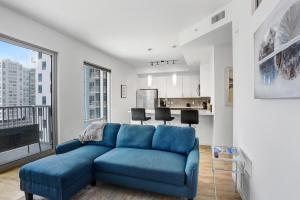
<point x="139" y="114"/>
<point x="189" y="117"/>
<point x="163" y="114"/>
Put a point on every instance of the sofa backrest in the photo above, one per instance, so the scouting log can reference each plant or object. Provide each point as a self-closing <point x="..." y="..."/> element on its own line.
<point x="135" y="136"/>
<point x="110" y="133"/>
<point x="174" y="139"/>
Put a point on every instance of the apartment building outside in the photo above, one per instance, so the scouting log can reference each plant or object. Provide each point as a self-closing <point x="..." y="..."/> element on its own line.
<point x="16" y="84"/>
<point x="43" y="79"/>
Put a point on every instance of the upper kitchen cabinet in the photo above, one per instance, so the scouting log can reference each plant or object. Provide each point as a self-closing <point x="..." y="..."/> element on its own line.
<point x="174" y="86"/>
<point x="159" y="82"/>
<point x="190" y="84"/>
<point x="206" y="80"/>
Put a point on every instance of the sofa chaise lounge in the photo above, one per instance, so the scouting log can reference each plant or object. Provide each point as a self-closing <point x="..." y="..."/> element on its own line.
<point x="163" y="160"/>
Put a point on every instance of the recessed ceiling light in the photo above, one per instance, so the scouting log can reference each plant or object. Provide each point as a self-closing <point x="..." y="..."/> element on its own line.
<point x="174" y="46"/>
<point x="150" y="49"/>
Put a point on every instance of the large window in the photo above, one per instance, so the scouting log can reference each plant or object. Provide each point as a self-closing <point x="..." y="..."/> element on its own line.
<point x="26" y="106"/>
<point x="96" y="93"/>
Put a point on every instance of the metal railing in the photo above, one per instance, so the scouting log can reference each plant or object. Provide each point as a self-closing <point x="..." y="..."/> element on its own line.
<point x="19" y="116"/>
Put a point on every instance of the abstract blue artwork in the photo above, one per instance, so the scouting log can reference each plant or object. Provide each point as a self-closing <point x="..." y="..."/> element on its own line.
<point x="277" y="53"/>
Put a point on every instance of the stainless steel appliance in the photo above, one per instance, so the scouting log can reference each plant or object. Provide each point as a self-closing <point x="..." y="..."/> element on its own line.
<point x="146" y="98"/>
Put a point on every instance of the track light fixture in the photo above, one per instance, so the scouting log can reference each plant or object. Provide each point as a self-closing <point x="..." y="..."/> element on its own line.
<point x="161" y="62"/>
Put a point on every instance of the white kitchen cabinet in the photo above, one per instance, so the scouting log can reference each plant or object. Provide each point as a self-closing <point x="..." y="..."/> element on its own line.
<point x="174" y="91"/>
<point x="194" y="82"/>
<point x="206" y="80"/>
<point x="189" y="85"/>
<point x="186" y="85"/>
<point x="159" y="82"/>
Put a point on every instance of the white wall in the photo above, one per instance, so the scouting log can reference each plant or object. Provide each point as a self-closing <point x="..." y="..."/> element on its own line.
<point x="223" y="118"/>
<point x="267" y="130"/>
<point x="71" y="55"/>
<point x="206" y="76"/>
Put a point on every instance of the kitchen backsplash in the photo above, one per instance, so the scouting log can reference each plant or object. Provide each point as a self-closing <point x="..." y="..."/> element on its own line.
<point x="198" y="102"/>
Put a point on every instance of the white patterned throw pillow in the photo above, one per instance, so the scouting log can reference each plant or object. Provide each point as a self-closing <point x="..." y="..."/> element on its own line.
<point x="93" y="132"/>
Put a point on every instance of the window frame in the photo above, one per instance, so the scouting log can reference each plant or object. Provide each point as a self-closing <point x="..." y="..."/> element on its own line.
<point x="54" y="127"/>
<point x="108" y="90"/>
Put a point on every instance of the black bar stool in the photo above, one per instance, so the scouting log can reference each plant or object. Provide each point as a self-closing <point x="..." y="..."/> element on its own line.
<point x="139" y="114"/>
<point x="163" y="114"/>
<point x="189" y="117"/>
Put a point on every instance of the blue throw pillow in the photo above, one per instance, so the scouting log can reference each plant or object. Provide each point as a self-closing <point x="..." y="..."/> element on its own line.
<point x="110" y="133"/>
<point x="174" y="139"/>
<point x="135" y="136"/>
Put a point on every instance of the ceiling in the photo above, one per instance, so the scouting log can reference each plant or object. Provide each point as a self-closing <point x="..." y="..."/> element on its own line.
<point x="199" y="51"/>
<point x="122" y="28"/>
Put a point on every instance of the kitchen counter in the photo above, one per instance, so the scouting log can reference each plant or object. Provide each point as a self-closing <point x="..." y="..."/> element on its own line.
<point x="177" y="110"/>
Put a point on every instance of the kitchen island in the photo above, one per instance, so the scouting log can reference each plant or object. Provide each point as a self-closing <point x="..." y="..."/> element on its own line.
<point x="204" y="129"/>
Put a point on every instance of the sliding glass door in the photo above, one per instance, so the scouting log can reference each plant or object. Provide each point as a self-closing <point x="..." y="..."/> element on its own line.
<point x="96" y="93"/>
<point x="26" y="101"/>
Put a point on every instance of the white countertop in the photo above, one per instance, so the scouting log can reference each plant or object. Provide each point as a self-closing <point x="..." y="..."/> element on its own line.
<point x="177" y="112"/>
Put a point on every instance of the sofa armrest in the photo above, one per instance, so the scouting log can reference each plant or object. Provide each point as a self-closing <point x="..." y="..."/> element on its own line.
<point x="192" y="168"/>
<point x="67" y="146"/>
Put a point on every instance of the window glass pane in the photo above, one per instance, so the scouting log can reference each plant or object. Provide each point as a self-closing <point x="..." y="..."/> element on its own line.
<point x="40" y="77"/>
<point x="40" y="89"/>
<point x="96" y="94"/>
<point x="44" y="65"/>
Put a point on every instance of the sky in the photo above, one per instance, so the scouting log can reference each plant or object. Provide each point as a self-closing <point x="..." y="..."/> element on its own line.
<point x="17" y="54"/>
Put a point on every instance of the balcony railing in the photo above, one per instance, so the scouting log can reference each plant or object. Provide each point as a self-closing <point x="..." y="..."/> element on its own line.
<point x="20" y="116"/>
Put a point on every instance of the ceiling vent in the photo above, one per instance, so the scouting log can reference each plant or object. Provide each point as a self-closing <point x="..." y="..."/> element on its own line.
<point x="218" y="17"/>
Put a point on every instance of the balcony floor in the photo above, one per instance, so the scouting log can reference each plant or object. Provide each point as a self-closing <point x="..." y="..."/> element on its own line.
<point x="19" y="153"/>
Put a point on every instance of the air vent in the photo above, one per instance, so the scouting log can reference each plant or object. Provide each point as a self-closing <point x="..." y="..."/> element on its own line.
<point x="246" y="167"/>
<point x="218" y="17"/>
<point x="245" y="186"/>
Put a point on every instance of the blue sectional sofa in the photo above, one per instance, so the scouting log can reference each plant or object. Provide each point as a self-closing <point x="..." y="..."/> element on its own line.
<point x="163" y="160"/>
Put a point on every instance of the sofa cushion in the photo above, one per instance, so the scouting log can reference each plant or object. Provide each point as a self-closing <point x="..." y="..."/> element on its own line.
<point x="153" y="165"/>
<point x="63" y="169"/>
<point x="135" y="136"/>
<point x="110" y="133"/>
<point x="174" y="139"/>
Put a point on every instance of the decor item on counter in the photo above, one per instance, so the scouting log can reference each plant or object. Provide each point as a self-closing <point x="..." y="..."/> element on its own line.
<point x="204" y="105"/>
<point x="188" y="105"/>
<point x="123" y="91"/>
<point x="229" y="86"/>
<point x="162" y="103"/>
<point x="277" y="51"/>
<point x="209" y="107"/>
